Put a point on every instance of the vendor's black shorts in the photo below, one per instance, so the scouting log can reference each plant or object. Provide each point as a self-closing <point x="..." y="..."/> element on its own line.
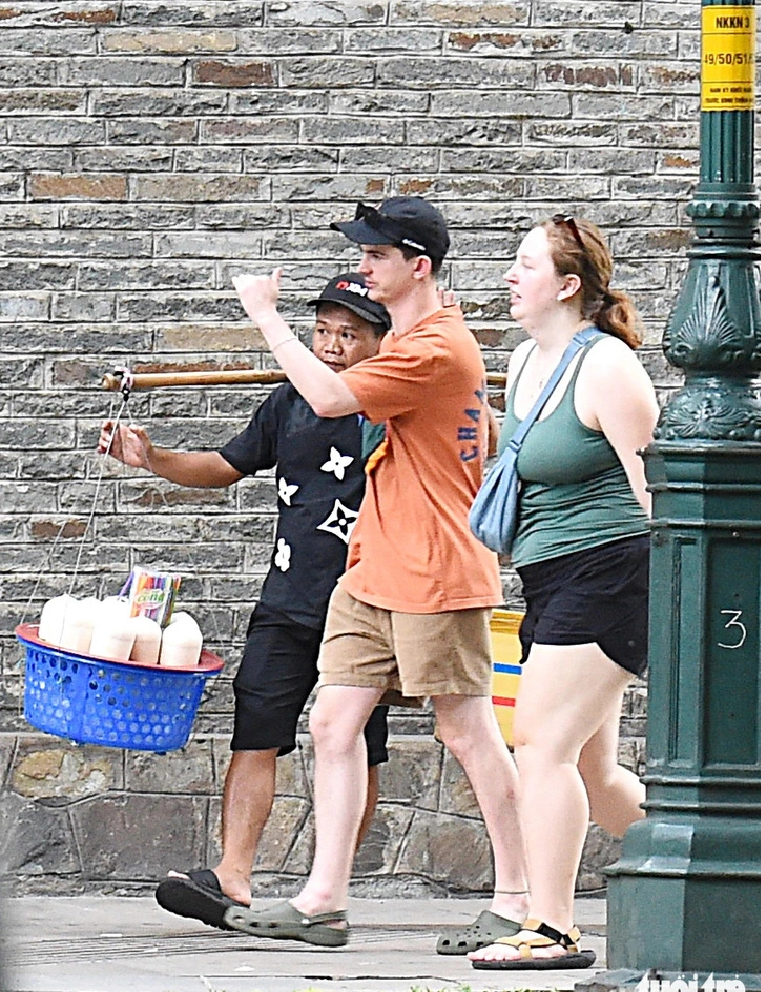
<point x="596" y="596"/>
<point x="275" y="678"/>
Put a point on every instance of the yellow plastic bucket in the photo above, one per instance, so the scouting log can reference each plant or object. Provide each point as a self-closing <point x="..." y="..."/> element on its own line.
<point x="506" y="669"/>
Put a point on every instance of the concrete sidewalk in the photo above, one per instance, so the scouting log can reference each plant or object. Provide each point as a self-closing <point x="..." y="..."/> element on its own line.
<point x="108" y="944"/>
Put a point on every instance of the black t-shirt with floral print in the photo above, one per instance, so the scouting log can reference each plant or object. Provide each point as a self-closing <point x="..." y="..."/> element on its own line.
<point x="320" y="482"/>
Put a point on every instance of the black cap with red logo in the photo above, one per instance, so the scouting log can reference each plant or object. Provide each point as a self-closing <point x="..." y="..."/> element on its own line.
<point x="349" y="290"/>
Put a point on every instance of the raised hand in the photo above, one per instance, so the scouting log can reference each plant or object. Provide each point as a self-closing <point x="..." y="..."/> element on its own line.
<point x="258" y="294"/>
<point x="130" y="445"/>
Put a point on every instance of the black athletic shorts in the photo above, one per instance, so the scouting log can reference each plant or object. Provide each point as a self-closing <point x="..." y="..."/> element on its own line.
<point x="597" y="596"/>
<point x="275" y="678"/>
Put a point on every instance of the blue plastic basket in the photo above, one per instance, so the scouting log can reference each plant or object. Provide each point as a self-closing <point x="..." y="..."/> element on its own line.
<point x="119" y="704"/>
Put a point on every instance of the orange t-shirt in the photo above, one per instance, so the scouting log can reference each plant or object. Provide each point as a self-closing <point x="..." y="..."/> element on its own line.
<point x="412" y="550"/>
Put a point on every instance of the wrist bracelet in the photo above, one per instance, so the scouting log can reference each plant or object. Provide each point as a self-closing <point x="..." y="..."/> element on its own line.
<point x="274" y="347"/>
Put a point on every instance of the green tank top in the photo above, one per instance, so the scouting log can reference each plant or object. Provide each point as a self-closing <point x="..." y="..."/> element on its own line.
<point x="575" y="494"/>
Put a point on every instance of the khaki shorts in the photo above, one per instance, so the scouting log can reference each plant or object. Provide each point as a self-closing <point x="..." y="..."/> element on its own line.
<point x="412" y="654"/>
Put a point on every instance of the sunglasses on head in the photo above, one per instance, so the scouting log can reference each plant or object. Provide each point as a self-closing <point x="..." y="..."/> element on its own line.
<point x="570" y="223"/>
<point x="386" y="225"/>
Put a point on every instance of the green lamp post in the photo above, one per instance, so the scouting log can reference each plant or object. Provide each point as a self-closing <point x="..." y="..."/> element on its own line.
<point x="685" y="896"/>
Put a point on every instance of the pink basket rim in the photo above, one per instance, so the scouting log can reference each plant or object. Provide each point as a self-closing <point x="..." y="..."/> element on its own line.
<point x="209" y="664"/>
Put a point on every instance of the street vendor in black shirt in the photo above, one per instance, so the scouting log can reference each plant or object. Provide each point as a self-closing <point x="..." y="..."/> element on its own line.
<point x="320" y="478"/>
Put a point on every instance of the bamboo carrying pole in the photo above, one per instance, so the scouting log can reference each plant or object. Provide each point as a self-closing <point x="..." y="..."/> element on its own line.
<point x="114" y="381"/>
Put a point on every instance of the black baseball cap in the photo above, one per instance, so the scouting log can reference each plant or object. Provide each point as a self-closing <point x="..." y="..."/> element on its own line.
<point x="349" y="290"/>
<point x="400" y="220"/>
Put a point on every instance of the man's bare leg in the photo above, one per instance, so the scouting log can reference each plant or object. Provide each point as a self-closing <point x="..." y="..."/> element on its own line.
<point x="247" y="799"/>
<point x="249" y="793"/>
<point x="340" y="790"/>
<point x="468" y="727"/>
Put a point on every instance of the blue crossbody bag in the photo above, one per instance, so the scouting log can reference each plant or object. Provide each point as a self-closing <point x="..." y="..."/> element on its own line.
<point x="494" y="514"/>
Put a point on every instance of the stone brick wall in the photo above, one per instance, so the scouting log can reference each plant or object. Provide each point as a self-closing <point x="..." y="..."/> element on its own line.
<point x="151" y="150"/>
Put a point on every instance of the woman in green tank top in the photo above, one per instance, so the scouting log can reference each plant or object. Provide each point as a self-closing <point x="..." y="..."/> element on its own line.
<point x="581" y="551"/>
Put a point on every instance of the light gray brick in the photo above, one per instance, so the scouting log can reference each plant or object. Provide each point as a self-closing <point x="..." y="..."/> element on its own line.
<point x="49" y="338"/>
<point x="571" y="133"/>
<point x="352" y="130"/>
<point x="622" y="107"/>
<point x="322" y="72"/>
<point x="11" y="187"/>
<point x="300" y="244"/>
<point x="327" y="12"/>
<point x="28" y="157"/>
<point x="290" y="159"/>
<point x="208" y="160"/>
<point x="209" y="244"/>
<point x="609" y="13"/>
<point x="26" y="373"/>
<point x="28" y="215"/>
<point x="19" y="306"/>
<point x="371" y="40"/>
<point x="388" y="159"/>
<point x="124" y="159"/>
<point x="194" y="305"/>
<point x="51" y="131"/>
<point x="42" y="275"/>
<point x="335" y="188"/>
<point x="43" y="101"/>
<point x="279" y="102"/>
<point x="52" y="465"/>
<point x="286" y="41"/>
<point x="689" y="45"/>
<point x="249" y="217"/>
<point x="383" y="102"/>
<point x="120" y="216"/>
<point x="116" y="71"/>
<point x="670" y="15"/>
<point x="166" y="131"/>
<point x="662" y="44"/>
<point x="163" y="274"/>
<point x="84" y="307"/>
<point x="611" y="160"/>
<point x="466" y="132"/>
<point x="452" y="72"/>
<point x="521" y="160"/>
<point x="71" y="243"/>
<point x="224" y="13"/>
<point x="56" y="41"/>
<point x="661" y="135"/>
<point x="28" y="72"/>
<point x="157" y="103"/>
<point x="512" y="104"/>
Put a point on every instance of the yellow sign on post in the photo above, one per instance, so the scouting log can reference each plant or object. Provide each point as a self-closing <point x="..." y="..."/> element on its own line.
<point x="727" y="72"/>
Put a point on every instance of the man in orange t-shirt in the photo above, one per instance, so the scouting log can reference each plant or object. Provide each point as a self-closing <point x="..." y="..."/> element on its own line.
<point x="411" y="614"/>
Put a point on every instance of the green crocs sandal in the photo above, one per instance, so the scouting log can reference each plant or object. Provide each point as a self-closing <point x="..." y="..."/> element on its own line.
<point x="284" y="922"/>
<point x="487" y="928"/>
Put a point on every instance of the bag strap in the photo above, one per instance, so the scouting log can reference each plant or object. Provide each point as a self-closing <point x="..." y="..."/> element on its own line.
<point x="574" y="346"/>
